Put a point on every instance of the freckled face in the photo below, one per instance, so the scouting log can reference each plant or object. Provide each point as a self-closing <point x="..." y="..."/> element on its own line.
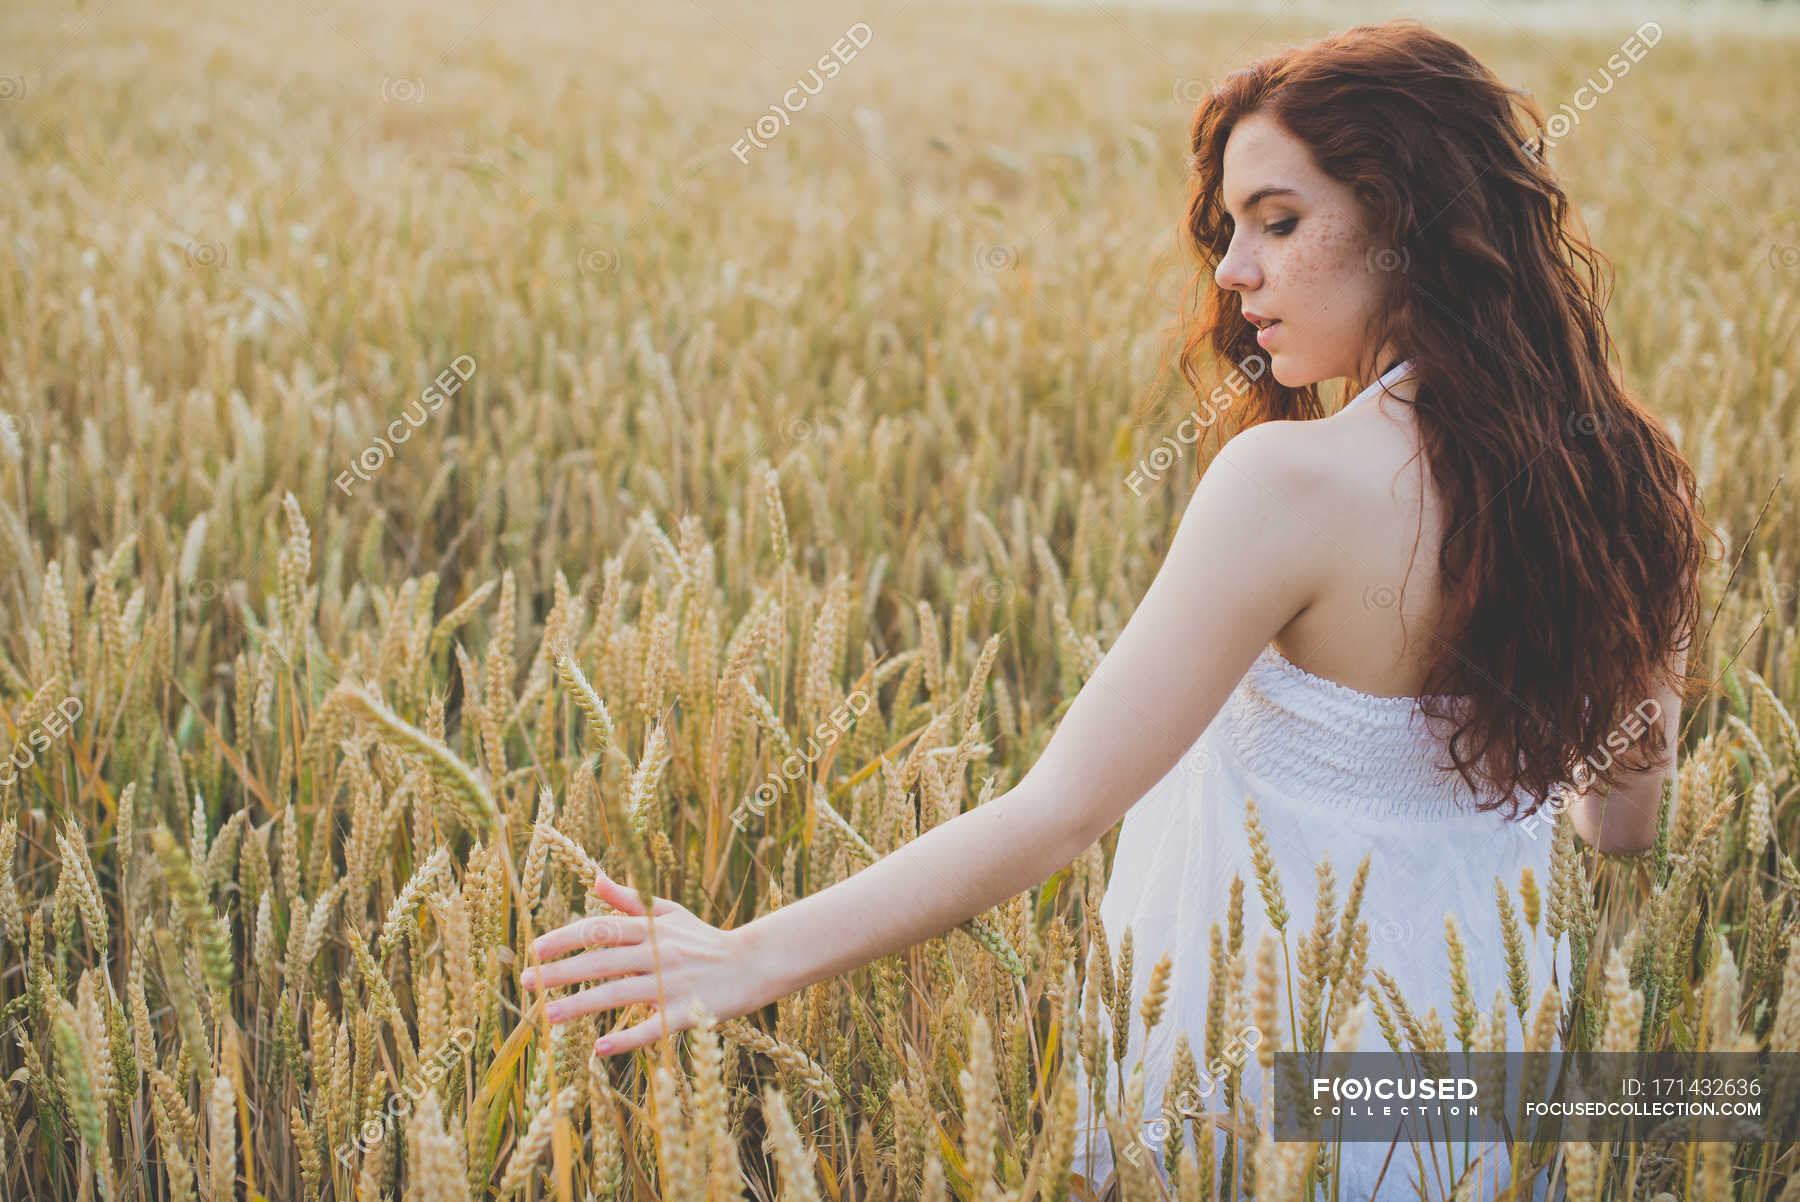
<point x="1299" y="252"/>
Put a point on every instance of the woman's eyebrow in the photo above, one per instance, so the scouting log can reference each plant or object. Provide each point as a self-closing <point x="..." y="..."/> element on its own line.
<point x="1264" y="192"/>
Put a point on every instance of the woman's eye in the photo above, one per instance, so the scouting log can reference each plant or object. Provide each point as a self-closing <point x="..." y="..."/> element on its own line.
<point x="1281" y="228"/>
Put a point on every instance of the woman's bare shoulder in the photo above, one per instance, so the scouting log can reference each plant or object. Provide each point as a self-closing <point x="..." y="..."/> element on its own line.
<point x="1309" y="471"/>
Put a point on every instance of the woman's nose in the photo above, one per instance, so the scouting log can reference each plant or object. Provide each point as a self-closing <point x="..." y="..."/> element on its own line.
<point x="1235" y="272"/>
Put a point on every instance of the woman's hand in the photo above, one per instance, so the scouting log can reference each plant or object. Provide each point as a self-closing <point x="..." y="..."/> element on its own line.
<point x="668" y="959"/>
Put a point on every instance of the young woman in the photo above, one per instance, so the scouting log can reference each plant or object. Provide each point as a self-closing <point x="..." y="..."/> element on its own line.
<point x="1401" y="630"/>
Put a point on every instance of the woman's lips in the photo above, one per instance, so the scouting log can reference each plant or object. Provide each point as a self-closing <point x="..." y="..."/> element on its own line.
<point x="1262" y="335"/>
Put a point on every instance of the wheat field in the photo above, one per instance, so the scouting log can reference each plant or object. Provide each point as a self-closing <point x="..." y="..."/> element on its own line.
<point x="445" y="450"/>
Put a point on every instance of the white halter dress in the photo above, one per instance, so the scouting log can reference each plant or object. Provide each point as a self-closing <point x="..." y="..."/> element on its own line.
<point x="1338" y="773"/>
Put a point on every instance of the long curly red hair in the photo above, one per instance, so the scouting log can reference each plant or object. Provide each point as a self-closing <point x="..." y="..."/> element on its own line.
<point x="1572" y="564"/>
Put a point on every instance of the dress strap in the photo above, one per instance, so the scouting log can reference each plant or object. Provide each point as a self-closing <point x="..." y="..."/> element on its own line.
<point x="1391" y="376"/>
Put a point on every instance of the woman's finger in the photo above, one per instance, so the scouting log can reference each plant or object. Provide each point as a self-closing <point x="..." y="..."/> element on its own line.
<point x="610" y="996"/>
<point x="619" y="897"/>
<point x="635" y="1037"/>
<point x="588" y="966"/>
<point x="608" y="930"/>
<point x="664" y="1020"/>
<point x="623" y="897"/>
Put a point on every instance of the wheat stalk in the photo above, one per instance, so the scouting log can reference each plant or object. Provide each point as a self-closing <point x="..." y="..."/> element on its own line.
<point x="1268" y="881"/>
<point x="222" y="1132"/>
<point x="439" y="760"/>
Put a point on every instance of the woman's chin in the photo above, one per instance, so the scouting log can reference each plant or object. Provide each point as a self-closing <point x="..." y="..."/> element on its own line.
<point x="1289" y="372"/>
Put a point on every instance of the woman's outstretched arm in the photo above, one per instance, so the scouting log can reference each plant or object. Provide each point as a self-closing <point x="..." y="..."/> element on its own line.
<point x="1251" y="551"/>
<point x="1245" y="558"/>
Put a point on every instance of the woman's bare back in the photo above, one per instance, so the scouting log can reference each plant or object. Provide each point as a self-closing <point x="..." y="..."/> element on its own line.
<point x="1352" y="632"/>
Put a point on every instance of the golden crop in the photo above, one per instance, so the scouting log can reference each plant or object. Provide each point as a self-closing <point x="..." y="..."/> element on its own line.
<point x="443" y="453"/>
